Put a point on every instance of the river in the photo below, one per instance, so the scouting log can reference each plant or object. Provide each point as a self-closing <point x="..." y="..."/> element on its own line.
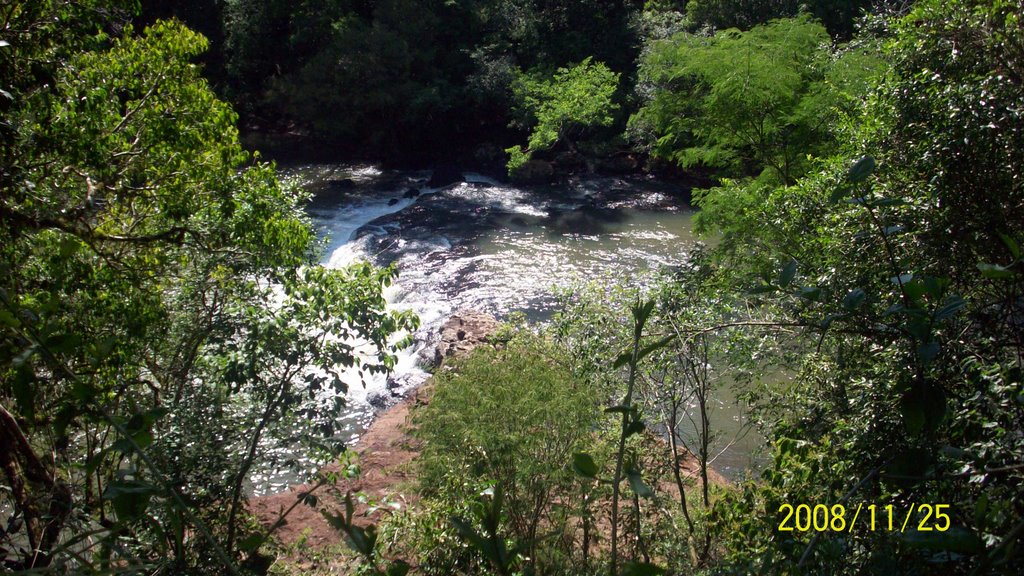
<point x="498" y="248"/>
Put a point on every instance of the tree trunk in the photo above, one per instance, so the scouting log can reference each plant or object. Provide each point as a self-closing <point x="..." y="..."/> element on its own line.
<point x="43" y="501"/>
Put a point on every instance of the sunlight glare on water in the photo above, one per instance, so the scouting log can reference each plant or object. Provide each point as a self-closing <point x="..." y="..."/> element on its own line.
<point x="488" y="246"/>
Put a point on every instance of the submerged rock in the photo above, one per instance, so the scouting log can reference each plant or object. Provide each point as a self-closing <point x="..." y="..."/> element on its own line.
<point x="342" y="184"/>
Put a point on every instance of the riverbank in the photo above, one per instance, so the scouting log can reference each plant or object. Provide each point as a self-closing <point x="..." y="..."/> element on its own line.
<point x="386" y="457"/>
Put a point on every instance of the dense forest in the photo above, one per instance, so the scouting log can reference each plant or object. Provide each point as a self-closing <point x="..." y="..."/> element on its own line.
<point x="164" y="319"/>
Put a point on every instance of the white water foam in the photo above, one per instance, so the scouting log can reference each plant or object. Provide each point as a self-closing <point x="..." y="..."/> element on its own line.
<point x="347" y="245"/>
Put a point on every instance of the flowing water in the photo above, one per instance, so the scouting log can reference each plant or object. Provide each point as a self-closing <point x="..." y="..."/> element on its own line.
<point x="497" y="248"/>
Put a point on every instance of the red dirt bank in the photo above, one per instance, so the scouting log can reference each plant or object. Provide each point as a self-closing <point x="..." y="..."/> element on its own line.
<point x="386" y="455"/>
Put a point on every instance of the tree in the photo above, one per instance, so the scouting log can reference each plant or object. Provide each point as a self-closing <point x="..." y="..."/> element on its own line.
<point x="760" y="101"/>
<point x="571" y="100"/>
<point x="900" y="256"/>
<point x="525" y="455"/>
<point x="157" y="290"/>
<point x="837" y="15"/>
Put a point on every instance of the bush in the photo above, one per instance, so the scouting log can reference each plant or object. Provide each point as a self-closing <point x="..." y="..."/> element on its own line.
<point x="515" y="417"/>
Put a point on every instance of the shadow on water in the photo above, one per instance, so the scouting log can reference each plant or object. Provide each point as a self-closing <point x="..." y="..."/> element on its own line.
<point x="587" y="220"/>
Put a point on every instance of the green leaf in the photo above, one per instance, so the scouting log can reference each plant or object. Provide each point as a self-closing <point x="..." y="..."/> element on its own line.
<point x="24" y="356"/>
<point x="918" y="324"/>
<point x="854" y="299"/>
<point x="995" y="271"/>
<point x="935" y="287"/>
<point x="641" y="313"/>
<point x="913" y="413"/>
<point x="101" y="350"/>
<point x="63" y="343"/>
<point x="981" y="510"/>
<point x="787" y="274"/>
<point x="641" y="569"/>
<point x="250" y="543"/>
<point x="914" y="290"/>
<point x="123" y="445"/>
<point x="584" y="465"/>
<point x="827" y="321"/>
<point x="399" y="568"/>
<point x="927" y="352"/>
<point x="8" y="319"/>
<point x="910" y="462"/>
<point x="1012" y="245"/>
<point x="68" y="246"/>
<point x="466" y="531"/>
<point x="23" y="384"/>
<point x="890" y="202"/>
<point x="130" y="498"/>
<point x="334" y="520"/>
<point x="812" y="293"/>
<point x="646" y="350"/>
<point x="959" y="539"/>
<point x="840" y="192"/>
<point x="635" y="427"/>
<point x="923" y="407"/>
<point x="83" y="391"/>
<point x="861" y="169"/>
<point x="636" y="482"/>
<point x="362" y="540"/>
<point x="953" y="305"/>
<point x="894" y="309"/>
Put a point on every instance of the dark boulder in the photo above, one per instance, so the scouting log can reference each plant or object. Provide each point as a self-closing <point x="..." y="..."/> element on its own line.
<point x="411" y="193"/>
<point x="444" y="175"/>
<point x="342" y="184"/>
<point x="619" y="164"/>
<point x="490" y="154"/>
<point x="399" y="386"/>
<point x="378" y="400"/>
<point x="534" y="172"/>
<point x="570" y="162"/>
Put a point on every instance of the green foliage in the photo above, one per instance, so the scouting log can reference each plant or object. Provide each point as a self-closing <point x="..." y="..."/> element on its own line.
<point x="547" y="415"/>
<point x="747" y="102"/>
<point x="161" y="321"/>
<point x="906" y="248"/>
<point x="572" y="99"/>
<point x="161" y="317"/>
<point x="837" y="15"/>
<point x="407" y="77"/>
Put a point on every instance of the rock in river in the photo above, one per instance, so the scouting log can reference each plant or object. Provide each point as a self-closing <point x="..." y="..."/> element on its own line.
<point x="463" y="332"/>
<point x="445" y="174"/>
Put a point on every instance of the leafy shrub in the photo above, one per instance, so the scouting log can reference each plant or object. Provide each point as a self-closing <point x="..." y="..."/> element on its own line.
<point x="513" y="417"/>
<point x="573" y="99"/>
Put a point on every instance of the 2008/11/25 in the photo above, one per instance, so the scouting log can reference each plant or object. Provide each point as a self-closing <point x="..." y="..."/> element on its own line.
<point x="822" y="518"/>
